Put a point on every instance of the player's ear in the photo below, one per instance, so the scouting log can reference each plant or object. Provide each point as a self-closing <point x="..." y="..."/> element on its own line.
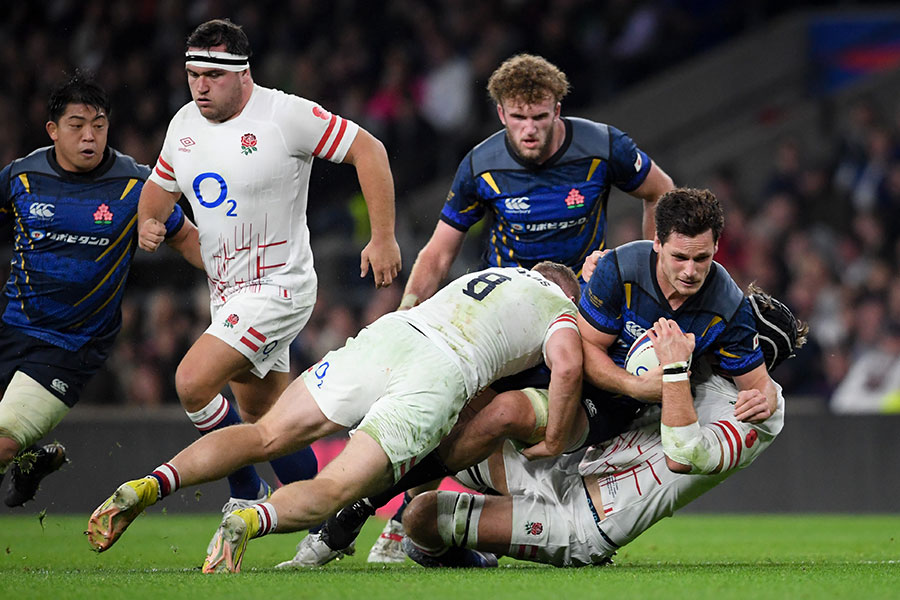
<point x="501" y="114"/>
<point x="52" y="130"/>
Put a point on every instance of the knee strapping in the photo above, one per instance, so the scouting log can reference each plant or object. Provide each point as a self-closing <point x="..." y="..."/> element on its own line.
<point x="28" y="411"/>
<point x="458" y="516"/>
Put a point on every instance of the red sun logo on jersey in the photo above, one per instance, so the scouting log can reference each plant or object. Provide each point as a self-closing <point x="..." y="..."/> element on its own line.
<point x="321" y="113"/>
<point x="248" y="143"/>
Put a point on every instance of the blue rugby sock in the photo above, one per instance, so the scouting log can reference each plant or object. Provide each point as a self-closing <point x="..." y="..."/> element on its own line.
<point x="298" y="466"/>
<point x="219" y="413"/>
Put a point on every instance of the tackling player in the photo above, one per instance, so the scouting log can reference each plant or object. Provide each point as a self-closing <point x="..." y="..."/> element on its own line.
<point x="73" y="210"/>
<point x="242" y="155"/>
<point x="544" y="180"/>
<point x="579" y="509"/>
<point x="404" y="380"/>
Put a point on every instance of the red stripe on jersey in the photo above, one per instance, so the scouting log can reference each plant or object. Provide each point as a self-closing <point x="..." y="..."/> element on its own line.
<point x="166" y="165"/>
<point x="256" y="334"/>
<point x="337" y="138"/>
<point x="737" y="440"/>
<point x="726" y="464"/>
<point x="164" y="175"/>
<point x="566" y="319"/>
<point x="249" y="344"/>
<point x="325" y="136"/>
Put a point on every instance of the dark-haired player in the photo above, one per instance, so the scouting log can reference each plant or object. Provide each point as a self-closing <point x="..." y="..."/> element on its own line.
<point x="73" y="210"/>
<point x="242" y="155"/>
<point x="579" y="509"/>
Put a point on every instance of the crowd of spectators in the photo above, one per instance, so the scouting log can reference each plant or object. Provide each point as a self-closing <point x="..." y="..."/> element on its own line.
<point x="413" y="73"/>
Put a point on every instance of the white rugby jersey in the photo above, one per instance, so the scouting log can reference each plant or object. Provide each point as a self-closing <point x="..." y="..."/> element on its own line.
<point x="493" y="323"/>
<point x="637" y="487"/>
<point x="247" y="181"/>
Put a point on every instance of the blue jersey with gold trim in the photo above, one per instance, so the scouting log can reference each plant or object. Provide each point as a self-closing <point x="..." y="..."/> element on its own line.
<point x="75" y="236"/>
<point x="623" y="298"/>
<point x="553" y="211"/>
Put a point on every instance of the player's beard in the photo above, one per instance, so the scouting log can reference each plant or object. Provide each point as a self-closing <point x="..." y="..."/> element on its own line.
<point x="536" y="156"/>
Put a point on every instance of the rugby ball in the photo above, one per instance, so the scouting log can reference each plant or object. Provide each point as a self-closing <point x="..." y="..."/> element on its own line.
<point x="641" y="356"/>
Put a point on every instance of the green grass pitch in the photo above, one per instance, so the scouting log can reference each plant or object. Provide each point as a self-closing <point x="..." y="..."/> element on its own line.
<point x="689" y="556"/>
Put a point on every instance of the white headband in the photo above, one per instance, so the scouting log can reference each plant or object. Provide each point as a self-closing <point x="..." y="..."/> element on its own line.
<point x="215" y="59"/>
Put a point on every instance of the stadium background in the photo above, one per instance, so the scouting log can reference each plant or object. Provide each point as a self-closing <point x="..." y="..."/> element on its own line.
<point x="789" y="111"/>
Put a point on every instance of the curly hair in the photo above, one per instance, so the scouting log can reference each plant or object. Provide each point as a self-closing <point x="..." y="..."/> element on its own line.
<point x="690" y="212"/>
<point x="528" y="78"/>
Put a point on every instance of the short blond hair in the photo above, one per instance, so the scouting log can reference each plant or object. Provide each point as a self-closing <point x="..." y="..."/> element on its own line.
<point x="527" y="78"/>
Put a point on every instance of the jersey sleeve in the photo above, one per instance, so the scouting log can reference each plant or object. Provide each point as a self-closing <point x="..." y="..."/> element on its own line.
<point x="464" y="206"/>
<point x="602" y="298"/>
<point x="628" y="164"/>
<point x="310" y="130"/>
<point x="175" y="221"/>
<point x="737" y="348"/>
<point x="163" y="174"/>
<point x="724" y="440"/>
<point x="564" y="321"/>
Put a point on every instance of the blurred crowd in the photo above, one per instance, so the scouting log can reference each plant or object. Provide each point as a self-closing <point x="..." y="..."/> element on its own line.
<point x="823" y="235"/>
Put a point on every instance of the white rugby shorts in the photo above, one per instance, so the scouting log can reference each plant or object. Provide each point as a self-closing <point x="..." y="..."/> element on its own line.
<point x="551" y="522"/>
<point x="399" y="387"/>
<point x="260" y="322"/>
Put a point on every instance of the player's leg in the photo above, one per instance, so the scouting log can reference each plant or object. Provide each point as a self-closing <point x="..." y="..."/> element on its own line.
<point x="28" y="412"/>
<point x="254" y="397"/>
<point x="294" y="422"/>
<point x="202" y="374"/>
<point x="360" y="469"/>
<point x="452" y="529"/>
<point x="492" y="419"/>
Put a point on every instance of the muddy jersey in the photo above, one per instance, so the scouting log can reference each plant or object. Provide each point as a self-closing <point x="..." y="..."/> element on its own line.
<point x="493" y="323"/>
<point x="247" y="180"/>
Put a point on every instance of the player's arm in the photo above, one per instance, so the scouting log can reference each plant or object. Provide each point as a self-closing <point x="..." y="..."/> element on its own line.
<point x="755" y="407"/>
<point x="154" y="207"/>
<point x="373" y="170"/>
<point x="601" y="371"/>
<point x="655" y="185"/>
<point x="562" y="353"/>
<point x="689" y="448"/>
<point x="432" y="264"/>
<point x="187" y="242"/>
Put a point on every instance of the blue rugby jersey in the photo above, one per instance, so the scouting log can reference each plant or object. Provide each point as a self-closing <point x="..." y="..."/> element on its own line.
<point x="623" y="298"/>
<point x="75" y="236"/>
<point x="553" y="211"/>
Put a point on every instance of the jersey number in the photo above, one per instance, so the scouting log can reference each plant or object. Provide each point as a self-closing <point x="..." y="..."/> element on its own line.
<point x="223" y="192"/>
<point x="484" y="284"/>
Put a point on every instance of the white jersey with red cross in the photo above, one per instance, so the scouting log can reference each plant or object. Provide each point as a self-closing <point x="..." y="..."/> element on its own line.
<point x="247" y="180"/>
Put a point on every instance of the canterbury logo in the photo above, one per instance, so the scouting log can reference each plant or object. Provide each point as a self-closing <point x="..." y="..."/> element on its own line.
<point x="634" y="329"/>
<point x="518" y="204"/>
<point x="60" y="386"/>
<point x="42" y="210"/>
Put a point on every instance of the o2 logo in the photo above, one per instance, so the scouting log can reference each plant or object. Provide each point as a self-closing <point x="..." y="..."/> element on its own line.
<point x="321" y="370"/>
<point x="223" y="192"/>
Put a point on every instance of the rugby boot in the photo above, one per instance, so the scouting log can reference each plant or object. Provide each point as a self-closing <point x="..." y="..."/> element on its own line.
<point x="112" y="517"/>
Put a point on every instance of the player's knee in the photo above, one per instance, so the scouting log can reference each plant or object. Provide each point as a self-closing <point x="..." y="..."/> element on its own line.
<point x="191" y="388"/>
<point x="8" y="450"/>
<point x="420" y="517"/>
<point x="506" y="416"/>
